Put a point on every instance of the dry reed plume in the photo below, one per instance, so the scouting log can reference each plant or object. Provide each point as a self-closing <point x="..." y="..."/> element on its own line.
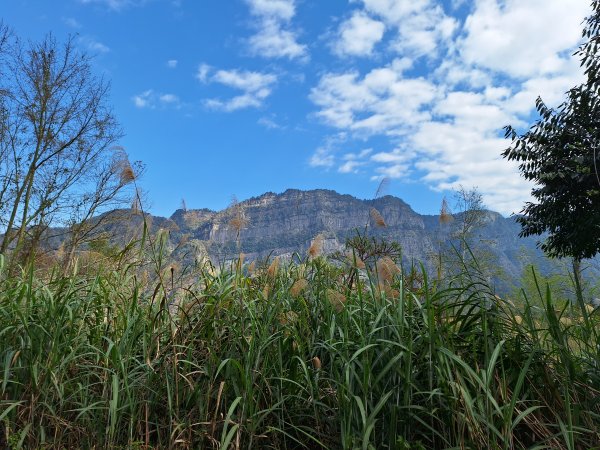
<point x="316" y="246"/>
<point x="288" y="317"/>
<point x="122" y="167"/>
<point x="273" y="268"/>
<point x="298" y="287"/>
<point x="354" y="260"/>
<point x="383" y="186"/>
<point x="387" y="271"/>
<point x="377" y="218"/>
<point x="337" y="299"/>
<point x="316" y="363"/>
<point x="445" y="213"/>
<point x="127" y="175"/>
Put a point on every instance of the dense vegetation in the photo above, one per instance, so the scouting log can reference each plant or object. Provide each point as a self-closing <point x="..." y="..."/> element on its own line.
<point x="108" y="348"/>
<point x="302" y="355"/>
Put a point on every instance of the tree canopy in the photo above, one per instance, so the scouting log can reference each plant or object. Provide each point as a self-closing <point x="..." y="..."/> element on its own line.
<point x="560" y="154"/>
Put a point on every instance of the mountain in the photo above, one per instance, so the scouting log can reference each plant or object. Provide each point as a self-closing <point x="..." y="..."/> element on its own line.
<point x="281" y="224"/>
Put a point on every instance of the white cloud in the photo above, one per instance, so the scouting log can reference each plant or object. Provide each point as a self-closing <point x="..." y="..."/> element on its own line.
<point x="358" y="35"/>
<point x="168" y="98"/>
<point x="255" y="87"/>
<point x="244" y="80"/>
<point x="72" y="23"/>
<point x="113" y="4"/>
<point x="277" y="9"/>
<point x="172" y="63"/>
<point x="421" y="25"/>
<point x="395" y="157"/>
<point x="383" y="101"/>
<point x="151" y="99"/>
<point x="353" y="161"/>
<point x="93" y="45"/>
<point x="523" y="38"/>
<point x="350" y="166"/>
<point x="274" y="38"/>
<point x="446" y="127"/>
<point x="99" y="47"/>
<point x="203" y="71"/>
<point x="143" y="100"/>
<point x="270" y="124"/>
<point x="272" y="41"/>
<point x="324" y="156"/>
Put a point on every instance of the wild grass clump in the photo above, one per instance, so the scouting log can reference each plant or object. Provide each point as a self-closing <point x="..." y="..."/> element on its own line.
<point x="293" y="355"/>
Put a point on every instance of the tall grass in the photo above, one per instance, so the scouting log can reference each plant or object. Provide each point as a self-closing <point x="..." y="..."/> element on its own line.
<point x="293" y="356"/>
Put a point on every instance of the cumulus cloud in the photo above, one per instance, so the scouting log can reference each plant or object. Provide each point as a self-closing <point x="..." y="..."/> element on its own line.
<point x="515" y="37"/>
<point x="172" y="63"/>
<point x="279" y="9"/>
<point x="445" y="128"/>
<point x="383" y="101"/>
<point x="358" y="35"/>
<point x="274" y="38"/>
<point x="421" y="26"/>
<point x="255" y="87"/>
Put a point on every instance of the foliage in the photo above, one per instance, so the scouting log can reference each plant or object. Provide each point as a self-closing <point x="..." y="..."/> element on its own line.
<point x="560" y="153"/>
<point x="369" y="249"/>
<point x="289" y="356"/>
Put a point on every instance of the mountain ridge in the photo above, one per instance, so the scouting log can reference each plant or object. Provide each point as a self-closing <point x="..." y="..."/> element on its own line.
<point x="284" y="224"/>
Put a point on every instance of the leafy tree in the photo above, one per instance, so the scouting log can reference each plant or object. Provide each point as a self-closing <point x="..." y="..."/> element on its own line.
<point x="560" y="154"/>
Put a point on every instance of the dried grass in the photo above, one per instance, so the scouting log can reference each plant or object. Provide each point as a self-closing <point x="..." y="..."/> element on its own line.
<point x="337" y="300"/>
<point x="316" y="246"/>
<point x="316" y="363"/>
<point x="298" y="287"/>
<point x="377" y="218"/>
<point x="273" y="268"/>
<point x="354" y="260"/>
<point x="387" y="271"/>
<point x="445" y="213"/>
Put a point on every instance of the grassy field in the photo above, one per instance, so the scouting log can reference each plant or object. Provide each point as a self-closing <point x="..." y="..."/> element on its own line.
<point x="293" y="355"/>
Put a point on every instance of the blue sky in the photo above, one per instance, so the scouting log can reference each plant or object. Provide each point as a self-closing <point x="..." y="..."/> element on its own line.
<point x="239" y="97"/>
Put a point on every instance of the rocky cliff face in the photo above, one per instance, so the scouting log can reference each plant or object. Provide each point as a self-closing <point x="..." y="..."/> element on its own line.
<point x="281" y="224"/>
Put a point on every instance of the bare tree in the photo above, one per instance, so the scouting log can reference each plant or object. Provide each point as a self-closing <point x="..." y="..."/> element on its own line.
<point x="106" y="191"/>
<point x="469" y="216"/>
<point x="57" y="135"/>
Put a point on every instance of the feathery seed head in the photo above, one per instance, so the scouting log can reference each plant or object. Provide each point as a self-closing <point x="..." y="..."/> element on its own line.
<point x="298" y="287"/>
<point x="354" y="260"/>
<point x="273" y="268"/>
<point x="337" y="299"/>
<point x="316" y="246"/>
<point x="387" y="269"/>
<point x="445" y="213"/>
<point x="377" y="218"/>
<point x="316" y="363"/>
